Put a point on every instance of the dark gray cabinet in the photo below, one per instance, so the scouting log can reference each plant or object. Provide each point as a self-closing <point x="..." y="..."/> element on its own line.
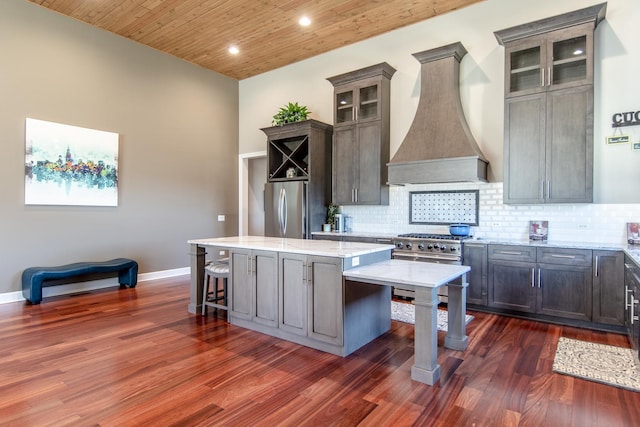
<point x="548" y="139"/>
<point x="608" y="287"/>
<point x="475" y="256"/>
<point x="311" y="297"/>
<point x="550" y="281"/>
<point x="361" y="136"/>
<point x="250" y="298"/>
<point x="301" y="151"/>
<point x="632" y="296"/>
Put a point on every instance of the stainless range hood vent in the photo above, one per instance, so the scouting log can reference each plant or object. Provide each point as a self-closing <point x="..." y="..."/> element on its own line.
<point x="439" y="146"/>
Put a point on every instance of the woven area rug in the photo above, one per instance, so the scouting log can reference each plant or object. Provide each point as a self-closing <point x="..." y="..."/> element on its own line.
<point x="601" y="363"/>
<point x="406" y="312"/>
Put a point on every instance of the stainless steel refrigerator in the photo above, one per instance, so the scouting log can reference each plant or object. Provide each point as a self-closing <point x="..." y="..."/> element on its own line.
<point x="286" y="209"/>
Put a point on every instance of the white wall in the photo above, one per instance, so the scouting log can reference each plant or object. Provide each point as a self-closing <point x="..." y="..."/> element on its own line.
<point x="481" y="80"/>
<point x="617" y="61"/>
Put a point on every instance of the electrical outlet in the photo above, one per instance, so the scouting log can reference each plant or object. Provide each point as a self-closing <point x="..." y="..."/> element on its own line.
<point x="355" y="261"/>
<point x="220" y="218"/>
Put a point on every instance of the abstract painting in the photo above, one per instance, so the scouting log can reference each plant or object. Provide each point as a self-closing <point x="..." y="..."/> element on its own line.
<point x="70" y="165"/>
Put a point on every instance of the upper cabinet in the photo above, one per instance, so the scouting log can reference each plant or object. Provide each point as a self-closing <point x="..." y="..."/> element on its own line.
<point x="556" y="60"/>
<point x="361" y="136"/>
<point x="299" y="151"/>
<point x="548" y="136"/>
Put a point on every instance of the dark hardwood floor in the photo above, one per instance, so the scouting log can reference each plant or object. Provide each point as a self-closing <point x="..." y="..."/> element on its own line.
<point x="136" y="357"/>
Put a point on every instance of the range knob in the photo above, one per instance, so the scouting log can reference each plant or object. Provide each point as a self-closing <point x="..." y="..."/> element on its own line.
<point x="430" y="247"/>
<point x="399" y="245"/>
<point x="453" y="249"/>
<point x="443" y="247"/>
<point x="421" y="246"/>
<point x="409" y="246"/>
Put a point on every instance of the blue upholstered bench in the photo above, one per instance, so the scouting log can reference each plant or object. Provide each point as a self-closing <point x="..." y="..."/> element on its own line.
<point x="33" y="277"/>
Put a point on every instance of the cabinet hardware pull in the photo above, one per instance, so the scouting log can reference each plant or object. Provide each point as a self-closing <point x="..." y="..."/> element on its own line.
<point x="356" y="194"/>
<point x="310" y="273"/>
<point x="510" y="253"/>
<point x="249" y="265"/>
<point x="548" y="76"/>
<point x="627" y="292"/>
<point x="539" y="277"/>
<point x="633" y="303"/>
<point x="563" y="256"/>
<point x="597" y="265"/>
<point x="533" y="275"/>
<point x="304" y="272"/>
<point x="548" y="189"/>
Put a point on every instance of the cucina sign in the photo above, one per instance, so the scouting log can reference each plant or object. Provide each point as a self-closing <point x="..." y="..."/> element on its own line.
<point x="630" y="118"/>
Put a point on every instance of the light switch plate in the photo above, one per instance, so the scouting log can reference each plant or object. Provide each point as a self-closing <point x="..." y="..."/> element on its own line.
<point x="220" y="217"/>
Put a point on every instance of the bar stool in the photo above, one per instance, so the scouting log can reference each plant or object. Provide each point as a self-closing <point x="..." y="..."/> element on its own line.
<point x="216" y="297"/>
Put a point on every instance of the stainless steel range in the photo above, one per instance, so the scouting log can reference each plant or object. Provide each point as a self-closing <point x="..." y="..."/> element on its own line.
<point x="438" y="248"/>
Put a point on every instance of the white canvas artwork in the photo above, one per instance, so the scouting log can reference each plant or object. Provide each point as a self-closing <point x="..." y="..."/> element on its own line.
<point x="70" y="165"/>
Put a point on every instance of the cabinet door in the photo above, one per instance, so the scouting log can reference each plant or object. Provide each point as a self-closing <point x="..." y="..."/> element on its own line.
<point x="569" y="148"/>
<point x="344" y="162"/>
<point x="475" y="256"/>
<point x="525" y="67"/>
<point x="570" y="57"/>
<point x="368" y="163"/>
<point x="345" y="103"/>
<point x="524" y="149"/>
<point x="325" y="299"/>
<point x="368" y="95"/>
<point x="608" y="287"/>
<point x="265" y="287"/>
<point x="564" y="291"/>
<point x="241" y="280"/>
<point x="293" y="293"/>
<point x="511" y="286"/>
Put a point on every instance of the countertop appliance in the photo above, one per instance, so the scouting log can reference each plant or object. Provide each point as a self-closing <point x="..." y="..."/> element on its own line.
<point x="438" y="248"/>
<point x="286" y="209"/>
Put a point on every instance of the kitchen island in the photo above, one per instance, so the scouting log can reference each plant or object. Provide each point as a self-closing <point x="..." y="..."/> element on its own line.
<point x="331" y="296"/>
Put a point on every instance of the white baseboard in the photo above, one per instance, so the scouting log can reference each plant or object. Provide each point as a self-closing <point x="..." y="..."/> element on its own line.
<point x="72" y="288"/>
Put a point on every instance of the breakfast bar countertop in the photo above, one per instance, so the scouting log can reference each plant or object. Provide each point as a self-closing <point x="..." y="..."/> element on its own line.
<point x="406" y="274"/>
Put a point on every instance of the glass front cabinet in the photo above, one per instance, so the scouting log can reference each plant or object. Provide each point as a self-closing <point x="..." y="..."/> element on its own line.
<point x="556" y="60"/>
<point x="357" y="103"/>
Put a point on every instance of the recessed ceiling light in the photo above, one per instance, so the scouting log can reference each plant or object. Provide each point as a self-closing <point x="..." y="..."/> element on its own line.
<point x="233" y="50"/>
<point x="304" y="21"/>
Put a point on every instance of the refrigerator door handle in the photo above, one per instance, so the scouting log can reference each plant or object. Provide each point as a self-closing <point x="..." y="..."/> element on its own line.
<point x="282" y="211"/>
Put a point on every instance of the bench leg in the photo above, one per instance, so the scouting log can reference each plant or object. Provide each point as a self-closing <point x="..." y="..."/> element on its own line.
<point x="129" y="276"/>
<point x="34" y="291"/>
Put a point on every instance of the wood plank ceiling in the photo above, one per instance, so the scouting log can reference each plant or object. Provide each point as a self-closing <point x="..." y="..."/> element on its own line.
<point x="266" y="32"/>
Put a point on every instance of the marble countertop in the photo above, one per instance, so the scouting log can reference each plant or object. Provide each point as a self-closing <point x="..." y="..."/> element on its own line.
<point x="355" y="234"/>
<point x="406" y="274"/>
<point x="327" y="248"/>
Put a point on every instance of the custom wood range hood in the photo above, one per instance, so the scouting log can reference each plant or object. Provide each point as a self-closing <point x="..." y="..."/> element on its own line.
<point x="439" y="146"/>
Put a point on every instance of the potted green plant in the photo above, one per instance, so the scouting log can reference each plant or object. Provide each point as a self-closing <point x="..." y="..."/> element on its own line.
<point x="290" y="113"/>
<point x="332" y="210"/>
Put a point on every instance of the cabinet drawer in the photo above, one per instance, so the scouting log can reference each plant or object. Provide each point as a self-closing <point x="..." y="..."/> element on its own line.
<point x="512" y="253"/>
<point x="565" y="256"/>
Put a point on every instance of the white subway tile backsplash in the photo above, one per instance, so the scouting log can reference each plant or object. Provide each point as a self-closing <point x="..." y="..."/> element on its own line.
<point x="593" y="223"/>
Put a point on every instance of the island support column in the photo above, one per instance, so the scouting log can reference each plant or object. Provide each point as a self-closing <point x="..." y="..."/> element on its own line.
<point x="456" y="338"/>
<point x="197" y="278"/>
<point x="426" y="368"/>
